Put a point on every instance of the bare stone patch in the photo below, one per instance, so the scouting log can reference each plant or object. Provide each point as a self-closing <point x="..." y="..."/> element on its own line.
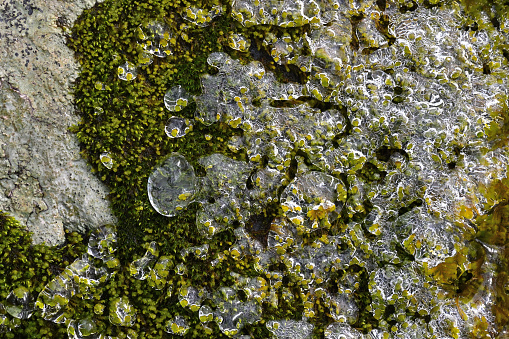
<point x="44" y="183"/>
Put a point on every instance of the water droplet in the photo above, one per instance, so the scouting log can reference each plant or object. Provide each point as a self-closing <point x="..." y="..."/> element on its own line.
<point x="122" y="313"/>
<point x="176" y="99"/>
<point x="20" y="303"/>
<point x="177" y="127"/>
<point x="127" y="71"/>
<point x="171" y="186"/>
<point x="106" y="160"/>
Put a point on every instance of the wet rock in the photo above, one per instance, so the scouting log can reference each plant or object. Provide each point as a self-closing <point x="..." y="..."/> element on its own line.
<point x="44" y="183"/>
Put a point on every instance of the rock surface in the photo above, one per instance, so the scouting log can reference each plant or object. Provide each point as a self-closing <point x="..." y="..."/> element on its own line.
<point x="44" y="183"/>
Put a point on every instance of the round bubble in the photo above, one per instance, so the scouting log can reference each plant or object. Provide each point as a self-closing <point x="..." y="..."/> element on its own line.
<point x="313" y="200"/>
<point x="177" y="127"/>
<point x="106" y="160"/>
<point x="217" y="59"/>
<point x="172" y="185"/>
<point x="176" y="99"/>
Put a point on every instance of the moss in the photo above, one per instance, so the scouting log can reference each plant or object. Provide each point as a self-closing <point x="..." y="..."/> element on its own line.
<point x="131" y="128"/>
<point x="32" y="266"/>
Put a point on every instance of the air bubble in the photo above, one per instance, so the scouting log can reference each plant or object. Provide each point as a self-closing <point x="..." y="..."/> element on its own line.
<point x="176" y="99"/>
<point x="106" y="160"/>
<point x="177" y="127"/>
<point x="127" y="71"/>
<point x="172" y="185"/>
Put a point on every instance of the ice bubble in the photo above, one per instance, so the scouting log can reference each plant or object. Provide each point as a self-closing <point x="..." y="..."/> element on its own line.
<point x="155" y="39"/>
<point x="20" y="303"/>
<point x="122" y="313"/>
<point x="106" y="160"/>
<point x="313" y="200"/>
<point x="82" y="329"/>
<point x="239" y="42"/>
<point x="176" y="99"/>
<point x="127" y="71"/>
<point x="102" y="242"/>
<point x="54" y="298"/>
<point x="178" y="326"/>
<point x="205" y="314"/>
<point x="231" y="314"/>
<point x="177" y="127"/>
<point x="140" y="268"/>
<point x="158" y="274"/>
<point x="199" y="16"/>
<point x="172" y="185"/>
<point x="190" y="297"/>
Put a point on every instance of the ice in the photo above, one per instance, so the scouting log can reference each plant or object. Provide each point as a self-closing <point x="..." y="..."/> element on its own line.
<point x="81" y="278"/>
<point x="232" y="314"/>
<point x="82" y="329"/>
<point x="176" y="99"/>
<point x="177" y="127"/>
<point x="178" y="326"/>
<point x="364" y="178"/>
<point x="290" y="329"/>
<point x="20" y="303"/>
<point x="172" y="185"/>
<point x="199" y="16"/>
<point x="140" y="268"/>
<point x="122" y="312"/>
<point x="102" y="242"/>
<point x="155" y="39"/>
<point x="313" y="201"/>
<point x="106" y="160"/>
<point x="157" y="277"/>
<point x="127" y="71"/>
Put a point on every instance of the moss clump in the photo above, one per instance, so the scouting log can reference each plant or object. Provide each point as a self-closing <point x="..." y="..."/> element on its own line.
<point x="32" y="266"/>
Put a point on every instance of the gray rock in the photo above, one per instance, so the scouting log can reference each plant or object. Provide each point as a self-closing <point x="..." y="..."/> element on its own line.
<point x="44" y="183"/>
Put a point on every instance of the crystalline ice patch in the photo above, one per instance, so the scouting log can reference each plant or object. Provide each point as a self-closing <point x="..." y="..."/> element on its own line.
<point x="171" y="186"/>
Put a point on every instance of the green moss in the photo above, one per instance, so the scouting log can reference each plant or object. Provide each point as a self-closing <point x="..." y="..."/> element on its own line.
<point x="131" y="129"/>
<point x="32" y="266"/>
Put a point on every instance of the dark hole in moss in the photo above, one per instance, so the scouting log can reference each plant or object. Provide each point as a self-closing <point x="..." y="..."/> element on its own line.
<point x="384" y="153"/>
<point x="463" y="281"/>
<point x="381" y="4"/>
<point x="279" y="267"/>
<point x="333" y="282"/>
<point x="312" y="102"/>
<point x="354" y="20"/>
<point x="249" y="182"/>
<point x="404" y="255"/>
<point x="405" y="8"/>
<point x="398" y="90"/>
<point x="258" y="225"/>
<point x="284" y="73"/>
<point x="398" y="99"/>
<point x="264" y="161"/>
<point x="242" y="295"/>
<point x="370" y="172"/>
<point x="257" y="103"/>
<point x="390" y="309"/>
<point x="486" y="68"/>
<point x="451" y="165"/>
<point x="495" y="22"/>
<point x="506" y="54"/>
<point x="211" y="200"/>
<point x="415" y="203"/>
